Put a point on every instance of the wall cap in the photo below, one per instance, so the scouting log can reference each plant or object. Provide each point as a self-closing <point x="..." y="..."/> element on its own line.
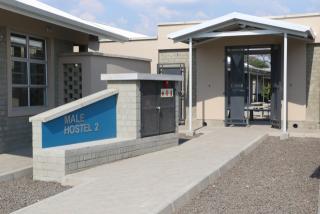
<point x="141" y="76"/>
<point x="73" y="106"/>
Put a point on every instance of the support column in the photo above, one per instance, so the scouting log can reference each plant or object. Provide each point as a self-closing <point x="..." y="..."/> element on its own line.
<point x="190" y="88"/>
<point x="285" y="87"/>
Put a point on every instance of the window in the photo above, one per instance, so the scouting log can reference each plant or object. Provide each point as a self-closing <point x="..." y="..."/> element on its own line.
<point x="29" y="71"/>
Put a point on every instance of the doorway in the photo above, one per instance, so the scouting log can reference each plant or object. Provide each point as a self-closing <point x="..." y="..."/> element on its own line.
<point x="253" y="85"/>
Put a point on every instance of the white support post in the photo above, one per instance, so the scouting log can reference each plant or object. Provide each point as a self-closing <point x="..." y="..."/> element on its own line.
<point x="285" y="86"/>
<point x="190" y="87"/>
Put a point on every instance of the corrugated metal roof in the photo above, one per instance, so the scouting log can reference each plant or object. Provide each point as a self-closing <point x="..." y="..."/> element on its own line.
<point x="281" y="26"/>
<point x="44" y="12"/>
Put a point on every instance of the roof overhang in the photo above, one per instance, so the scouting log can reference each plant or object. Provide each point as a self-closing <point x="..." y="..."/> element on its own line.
<point x="44" y="12"/>
<point x="259" y="26"/>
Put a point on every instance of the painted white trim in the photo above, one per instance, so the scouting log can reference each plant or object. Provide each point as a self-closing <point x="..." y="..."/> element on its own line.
<point x="190" y="87"/>
<point x="285" y="84"/>
<point x="73" y="106"/>
<point x="142" y="76"/>
<point x="236" y="33"/>
<point x="44" y="12"/>
<point x="265" y="23"/>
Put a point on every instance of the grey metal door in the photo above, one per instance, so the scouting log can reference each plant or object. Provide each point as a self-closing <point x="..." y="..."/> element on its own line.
<point x="276" y="85"/>
<point x="235" y="86"/>
<point x="167" y="111"/>
<point x="177" y="69"/>
<point x="157" y="114"/>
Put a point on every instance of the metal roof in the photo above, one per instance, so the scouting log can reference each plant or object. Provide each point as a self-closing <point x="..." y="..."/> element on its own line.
<point x="264" y="23"/>
<point x="44" y="12"/>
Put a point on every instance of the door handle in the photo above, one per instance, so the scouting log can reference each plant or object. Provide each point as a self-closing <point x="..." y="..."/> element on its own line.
<point x="158" y="108"/>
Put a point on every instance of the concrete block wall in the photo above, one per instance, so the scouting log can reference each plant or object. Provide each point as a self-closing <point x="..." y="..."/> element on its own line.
<point x="15" y="132"/>
<point x="128" y="108"/>
<point x="313" y="85"/>
<point x="182" y="56"/>
<point x="55" y="163"/>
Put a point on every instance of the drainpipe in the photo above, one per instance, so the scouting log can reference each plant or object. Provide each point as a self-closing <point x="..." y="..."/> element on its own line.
<point x="190" y="88"/>
<point x="285" y="88"/>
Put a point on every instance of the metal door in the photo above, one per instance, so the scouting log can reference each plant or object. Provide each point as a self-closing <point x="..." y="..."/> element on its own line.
<point x="235" y="86"/>
<point x="157" y="113"/>
<point x="276" y="84"/>
<point x="167" y="111"/>
<point x="177" y="69"/>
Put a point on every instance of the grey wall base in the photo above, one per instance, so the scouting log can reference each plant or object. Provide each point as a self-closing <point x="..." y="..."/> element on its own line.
<point x="55" y="163"/>
<point x="311" y="125"/>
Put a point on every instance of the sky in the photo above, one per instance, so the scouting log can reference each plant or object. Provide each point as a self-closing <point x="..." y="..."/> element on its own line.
<point x="142" y="16"/>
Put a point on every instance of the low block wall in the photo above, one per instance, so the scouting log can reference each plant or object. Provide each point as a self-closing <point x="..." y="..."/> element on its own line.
<point x="53" y="164"/>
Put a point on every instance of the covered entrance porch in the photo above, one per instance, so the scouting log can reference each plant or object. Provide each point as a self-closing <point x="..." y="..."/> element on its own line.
<point x="224" y="46"/>
<point x="253" y="85"/>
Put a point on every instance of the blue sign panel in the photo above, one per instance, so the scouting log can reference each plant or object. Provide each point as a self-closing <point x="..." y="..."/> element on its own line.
<point x="93" y="122"/>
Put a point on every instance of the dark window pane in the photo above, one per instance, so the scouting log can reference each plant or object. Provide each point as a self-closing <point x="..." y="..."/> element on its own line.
<point x="38" y="74"/>
<point x="37" y="96"/>
<point x="18" y="46"/>
<point x="37" y="49"/>
<point x="19" y="97"/>
<point x="19" y="73"/>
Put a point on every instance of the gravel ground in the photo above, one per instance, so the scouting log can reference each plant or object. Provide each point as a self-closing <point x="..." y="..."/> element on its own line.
<point x="277" y="177"/>
<point x="17" y="194"/>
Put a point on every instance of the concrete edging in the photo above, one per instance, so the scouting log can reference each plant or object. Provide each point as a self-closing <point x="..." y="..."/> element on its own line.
<point x="16" y="174"/>
<point x="184" y="197"/>
<point x="319" y="201"/>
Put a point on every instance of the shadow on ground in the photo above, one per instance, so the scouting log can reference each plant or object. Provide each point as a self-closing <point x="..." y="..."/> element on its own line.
<point x="183" y="138"/>
<point x="316" y="173"/>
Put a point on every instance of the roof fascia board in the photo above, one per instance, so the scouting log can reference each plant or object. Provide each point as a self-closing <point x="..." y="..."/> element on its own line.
<point x="208" y="29"/>
<point x="234" y="21"/>
<point x="58" y="20"/>
<point x="243" y="18"/>
<point x="236" y="33"/>
<point x="274" y="28"/>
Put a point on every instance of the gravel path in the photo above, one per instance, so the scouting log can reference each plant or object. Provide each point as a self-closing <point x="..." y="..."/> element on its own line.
<point x="277" y="177"/>
<point x="23" y="192"/>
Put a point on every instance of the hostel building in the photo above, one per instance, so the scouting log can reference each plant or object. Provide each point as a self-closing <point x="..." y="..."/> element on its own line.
<point x="245" y="69"/>
<point x="48" y="58"/>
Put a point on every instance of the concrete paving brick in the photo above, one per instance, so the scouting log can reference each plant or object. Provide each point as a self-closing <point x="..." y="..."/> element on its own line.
<point x="152" y="183"/>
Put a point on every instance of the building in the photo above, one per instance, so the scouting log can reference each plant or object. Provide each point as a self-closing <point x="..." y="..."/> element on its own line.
<point x="48" y="58"/>
<point x="220" y="51"/>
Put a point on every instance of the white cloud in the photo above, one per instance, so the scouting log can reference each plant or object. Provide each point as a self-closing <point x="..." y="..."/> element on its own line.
<point x="263" y="7"/>
<point x="167" y="13"/>
<point x="88" y="9"/>
<point x="201" y="15"/>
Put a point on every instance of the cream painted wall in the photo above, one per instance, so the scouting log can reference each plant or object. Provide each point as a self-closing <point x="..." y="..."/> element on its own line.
<point x="146" y="48"/>
<point x="211" y="102"/>
<point x="210" y="64"/>
<point x="311" y="21"/>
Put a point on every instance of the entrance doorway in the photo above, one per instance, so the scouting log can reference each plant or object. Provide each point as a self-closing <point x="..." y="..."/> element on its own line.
<point x="253" y="85"/>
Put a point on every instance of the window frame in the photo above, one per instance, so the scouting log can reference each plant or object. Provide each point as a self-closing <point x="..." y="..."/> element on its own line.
<point x="29" y="109"/>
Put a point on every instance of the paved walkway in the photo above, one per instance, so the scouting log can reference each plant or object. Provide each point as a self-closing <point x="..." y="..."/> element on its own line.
<point x="149" y="183"/>
<point x="14" y="162"/>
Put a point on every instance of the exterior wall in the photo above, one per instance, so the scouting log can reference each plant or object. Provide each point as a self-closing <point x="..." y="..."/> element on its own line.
<point x="210" y="67"/>
<point x="182" y="56"/>
<point x="148" y="48"/>
<point x="95" y="64"/>
<point x="128" y="108"/>
<point x="15" y="130"/>
<point x="312" y="21"/>
<point x="54" y="164"/>
<point x="313" y="84"/>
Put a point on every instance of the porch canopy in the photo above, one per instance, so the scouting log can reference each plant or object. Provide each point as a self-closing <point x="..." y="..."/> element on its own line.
<point x="239" y="25"/>
<point x="44" y="12"/>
